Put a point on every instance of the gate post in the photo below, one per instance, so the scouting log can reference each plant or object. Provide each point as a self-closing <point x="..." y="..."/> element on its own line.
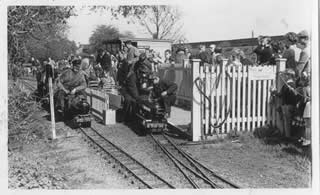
<point x="281" y="66"/>
<point x="196" y="102"/>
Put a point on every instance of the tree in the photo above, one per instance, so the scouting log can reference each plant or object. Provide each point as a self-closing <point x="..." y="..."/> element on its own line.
<point x="27" y="23"/>
<point x="160" y="21"/>
<point x="106" y="32"/>
<point x="57" y="48"/>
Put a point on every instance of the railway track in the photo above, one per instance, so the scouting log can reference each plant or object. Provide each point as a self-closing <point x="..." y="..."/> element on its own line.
<point x="27" y="84"/>
<point x="197" y="174"/>
<point x="130" y="166"/>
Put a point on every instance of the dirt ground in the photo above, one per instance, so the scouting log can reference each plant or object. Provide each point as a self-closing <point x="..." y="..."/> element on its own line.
<point x="70" y="163"/>
<point x="250" y="163"/>
<point x="73" y="164"/>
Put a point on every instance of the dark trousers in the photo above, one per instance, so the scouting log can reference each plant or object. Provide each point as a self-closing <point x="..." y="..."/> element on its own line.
<point x="68" y="103"/>
<point x="129" y="108"/>
<point x="169" y="101"/>
<point x="59" y="98"/>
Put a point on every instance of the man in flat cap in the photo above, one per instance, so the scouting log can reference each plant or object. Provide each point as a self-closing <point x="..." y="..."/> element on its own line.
<point x="71" y="81"/>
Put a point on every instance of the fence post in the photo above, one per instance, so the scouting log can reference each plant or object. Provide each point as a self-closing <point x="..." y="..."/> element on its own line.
<point x="281" y="66"/>
<point x="196" y="102"/>
<point x="53" y="123"/>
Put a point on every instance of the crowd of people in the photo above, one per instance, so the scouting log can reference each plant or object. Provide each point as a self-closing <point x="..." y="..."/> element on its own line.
<point x="128" y="67"/>
<point x="129" y="71"/>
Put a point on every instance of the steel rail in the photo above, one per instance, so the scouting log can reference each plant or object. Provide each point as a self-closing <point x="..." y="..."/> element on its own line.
<point x="194" y="185"/>
<point x="190" y="160"/>
<point x="202" y="165"/>
<point x="212" y="172"/>
<point x="206" y="180"/>
<point x="117" y="158"/>
<point x="133" y="159"/>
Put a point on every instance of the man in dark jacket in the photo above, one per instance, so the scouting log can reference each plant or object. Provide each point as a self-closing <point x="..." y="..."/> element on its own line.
<point x="130" y="93"/>
<point x="167" y="91"/>
<point x="264" y="51"/>
<point x="204" y="56"/>
<point x="104" y="59"/>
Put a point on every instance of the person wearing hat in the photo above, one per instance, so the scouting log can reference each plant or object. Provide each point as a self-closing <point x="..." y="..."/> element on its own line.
<point x="132" y="54"/>
<point x="303" y="70"/>
<point x="293" y="52"/>
<point x="104" y="60"/>
<point x="71" y="81"/>
<point x="130" y="93"/>
<point x="166" y="90"/>
<point x="303" y="66"/>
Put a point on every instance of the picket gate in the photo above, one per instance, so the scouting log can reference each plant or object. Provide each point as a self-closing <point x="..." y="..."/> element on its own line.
<point x="231" y="98"/>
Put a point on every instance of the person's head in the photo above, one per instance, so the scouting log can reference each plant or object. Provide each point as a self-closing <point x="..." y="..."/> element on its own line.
<point x="291" y="38"/>
<point x="202" y="48"/>
<point x="235" y="54"/>
<point x="266" y="41"/>
<point x="167" y="54"/>
<point x="76" y="65"/>
<point x="155" y="78"/>
<point x="100" y="51"/>
<point x="218" y="50"/>
<point x="212" y="47"/>
<point x="303" y="39"/>
<point x="128" y="44"/>
<point x="142" y="56"/>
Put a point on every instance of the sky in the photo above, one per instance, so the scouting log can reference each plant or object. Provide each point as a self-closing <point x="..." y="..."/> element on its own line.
<point x="206" y="20"/>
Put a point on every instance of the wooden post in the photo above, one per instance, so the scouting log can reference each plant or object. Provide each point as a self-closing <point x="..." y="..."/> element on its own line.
<point x="224" y="93"/>
<point x="281" y="66"/>
<point x="105" y="107"/>
<point x="53" y="122"/>
<point x="196" y="102"/>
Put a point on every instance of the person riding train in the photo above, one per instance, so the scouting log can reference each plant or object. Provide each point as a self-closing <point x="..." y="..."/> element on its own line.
<point x="70" y="83"/>
<point x="166" y="91"/>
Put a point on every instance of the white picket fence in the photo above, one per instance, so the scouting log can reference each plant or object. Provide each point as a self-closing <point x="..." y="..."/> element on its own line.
<point x="239" y="97"/>
<point x="101" y="103"/>
<point x="232" y="98"/>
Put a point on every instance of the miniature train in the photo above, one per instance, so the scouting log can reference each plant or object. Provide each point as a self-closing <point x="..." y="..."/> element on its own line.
<point x="76" y="116"/>
<point x="151" y="115"/>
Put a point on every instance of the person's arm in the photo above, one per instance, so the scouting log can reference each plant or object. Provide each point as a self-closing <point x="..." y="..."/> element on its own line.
<point x="82" y="86"/>
<point x="171" y="87"/>
<point x="60" y="83"/>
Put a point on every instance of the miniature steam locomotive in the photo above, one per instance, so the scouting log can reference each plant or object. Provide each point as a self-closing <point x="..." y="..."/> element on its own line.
<point x="76" y="116"/>
<point x="150" y="110"/>
<point x="151" y="115"/>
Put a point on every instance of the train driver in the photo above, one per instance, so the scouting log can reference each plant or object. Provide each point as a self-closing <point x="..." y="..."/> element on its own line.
<point x="167" y="91"/>
<point x="71" y="81"/>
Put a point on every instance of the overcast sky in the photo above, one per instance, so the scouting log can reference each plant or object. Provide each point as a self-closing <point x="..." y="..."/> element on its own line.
<point x="206" y="20"/>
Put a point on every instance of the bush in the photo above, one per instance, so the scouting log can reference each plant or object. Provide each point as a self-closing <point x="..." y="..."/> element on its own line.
<point x="21" y="107"/>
